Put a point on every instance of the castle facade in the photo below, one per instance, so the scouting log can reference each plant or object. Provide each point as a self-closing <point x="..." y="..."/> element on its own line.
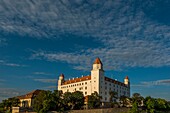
<point x="97" y="81"/>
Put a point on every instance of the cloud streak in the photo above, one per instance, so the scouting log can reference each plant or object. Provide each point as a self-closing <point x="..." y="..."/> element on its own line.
<point x="41" y="73"/>
<point x="128" y="35"/>
<point x="157" y="82"/>
<point x="10" y="92"/>
<point x="46" y="80"/>
<point x="2" y="62"/>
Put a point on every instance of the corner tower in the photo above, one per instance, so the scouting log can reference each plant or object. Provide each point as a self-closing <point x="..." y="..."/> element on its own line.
<point x="60" y="81"/>
<point x="97" y="75"/>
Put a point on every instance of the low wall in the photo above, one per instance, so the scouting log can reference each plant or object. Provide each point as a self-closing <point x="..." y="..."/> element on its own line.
<point x="107" y="110"/>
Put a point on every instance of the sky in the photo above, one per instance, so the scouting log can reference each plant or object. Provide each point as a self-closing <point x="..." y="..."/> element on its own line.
<point x="40" y="39"/>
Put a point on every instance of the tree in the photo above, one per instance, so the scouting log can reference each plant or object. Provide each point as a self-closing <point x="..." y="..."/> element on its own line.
<point x="67" y="100"/>
<point x="161" y="104"/>
<point x="137" y="98"/>
<point x="123" y="100"/>
<point x="78" y="98"/>
<point x="38" y="101"/>
<point x="150" y="105"/>
<point x="73" y="100"/>
<point x="94" y="100"/>
<point x="134" y="108"/>
<point x="10" y="102"/>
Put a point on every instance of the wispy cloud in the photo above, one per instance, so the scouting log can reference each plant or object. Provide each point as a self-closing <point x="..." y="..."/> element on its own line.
<point x="112" y="58"/>
<point x="2" y="62"/>
<point x="129" y="36"/>
<point x="46" y="80"/>
<point x="41" y="73"/>
<point x="50" y="87"/>
<point x="10" y="92"/>
<point x="157" y="82"/>
<point x="164" y="82"/>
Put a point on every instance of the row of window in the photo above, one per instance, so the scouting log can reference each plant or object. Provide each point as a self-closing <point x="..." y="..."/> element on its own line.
<point x="117" y="87"/>
<point x="78" y="84"/>
<point x="79" y="89"/>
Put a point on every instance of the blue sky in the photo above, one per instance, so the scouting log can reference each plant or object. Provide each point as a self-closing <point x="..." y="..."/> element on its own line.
<point x="41" y="39"/>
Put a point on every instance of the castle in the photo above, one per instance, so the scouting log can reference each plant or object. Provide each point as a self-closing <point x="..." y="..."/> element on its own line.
<point x="97" y="81"/>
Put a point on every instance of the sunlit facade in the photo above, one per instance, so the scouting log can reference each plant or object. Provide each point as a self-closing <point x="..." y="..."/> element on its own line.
<point x="97" y="81"/>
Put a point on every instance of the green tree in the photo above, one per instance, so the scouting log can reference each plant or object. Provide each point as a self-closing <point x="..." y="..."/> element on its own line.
<point x="138" y="99"/>
<point x="73" y="100"/>
<point x="67" y="100"/>
<point x="134" y="108"/>
<point x="150" y="105"/>
<point x="123" y="100"/>
<point x="94" y="100"/>
<point x="9" y="103"/>
<point x="48" y="101"/>
<point x="38" y="101"/>
<point x="161" y="104"/>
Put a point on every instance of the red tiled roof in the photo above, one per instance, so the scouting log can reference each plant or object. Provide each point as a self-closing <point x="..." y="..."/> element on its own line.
<point x="30" y="94"/>
<point x="97" y="61"/>
<point x="126" y="77"/>
<point x="62" y="75"/>
<point x="84" y="78"/>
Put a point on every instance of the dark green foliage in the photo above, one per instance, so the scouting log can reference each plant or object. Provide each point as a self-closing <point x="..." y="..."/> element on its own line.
<point x="149" y="104"/>
<point x="138" y="99"/>
<point x="94" y="100"/>
<point x="134" y="108"/>
<point x="7" y="104"/>
<point x="73" y="100"/>
<point x="123" y="100"/>
<point x="47" y="100"/>
<point x="56" y="101"/>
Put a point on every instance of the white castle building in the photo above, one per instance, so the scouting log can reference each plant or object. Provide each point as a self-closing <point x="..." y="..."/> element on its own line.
<point x="97" y="81"/>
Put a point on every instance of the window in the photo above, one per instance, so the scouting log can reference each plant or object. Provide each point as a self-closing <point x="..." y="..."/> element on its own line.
<point x="94" y="81"/>
<point x="85" y="87"/>
<point x="75" y="89"/>
<point x="82" y="83"/>
<point x="105" y="82"/>
<point x="85" y="93"/>
<point x="105" y="98"/>
<point x="105" y="93"/>
<point x="67" y="90"/>
<point x="105" y="87"/>
<point x="85" y="82"/>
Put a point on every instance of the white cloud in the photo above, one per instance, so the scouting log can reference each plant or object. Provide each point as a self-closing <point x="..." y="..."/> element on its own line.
<point x="41" y="73"/>
<point x="2" y="62"/>
<point x="157" y="82"/>
<point x="46" y="80"/>
<point x="10" y="92"/>
<point x="129" y="37"/>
